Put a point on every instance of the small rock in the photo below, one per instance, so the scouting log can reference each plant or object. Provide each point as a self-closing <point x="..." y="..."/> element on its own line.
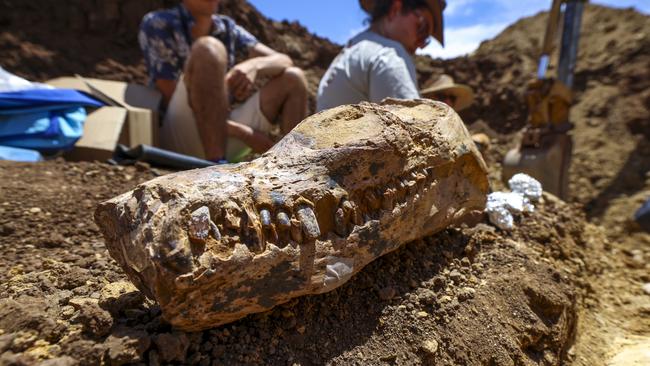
<point x="646" y="288"/>
<point x="5" y="341"/>
<point x="60" y="361"/>
<point x="35" y="210"/>
<point x="445" y="299"/>
<point x="465" y="262"/>
<point x="387" y="293"/>
<point x="422" y="314"/>
<point x="637" y="261"/>
<point x="94" y="319"/>
<point x="120" y="295"/>
<point x="127" y="346"/>
<point x="427" y="297"/>
<point x="54" y="240"/>
<point x="430" y="347"/>
<point x="7" y="229"/>
<point x="466" y="293"/>
<point x="172" y="346"/>
<point x="456" y="276"/>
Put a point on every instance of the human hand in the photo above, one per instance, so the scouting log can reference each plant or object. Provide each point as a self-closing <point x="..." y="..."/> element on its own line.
<point x="240" y="81"/>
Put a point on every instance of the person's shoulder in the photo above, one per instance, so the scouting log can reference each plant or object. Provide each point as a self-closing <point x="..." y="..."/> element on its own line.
<point x="370" y="46"/>
<point x="227" y="21"/>
<point x="160" y="19"/>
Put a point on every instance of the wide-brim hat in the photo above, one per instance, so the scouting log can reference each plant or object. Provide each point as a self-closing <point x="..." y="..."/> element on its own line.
<point x="445" y="84"/>
<point x="436" y="7"/>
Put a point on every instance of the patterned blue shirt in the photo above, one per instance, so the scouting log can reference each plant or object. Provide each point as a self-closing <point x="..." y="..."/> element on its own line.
<point x="165" y="39"/>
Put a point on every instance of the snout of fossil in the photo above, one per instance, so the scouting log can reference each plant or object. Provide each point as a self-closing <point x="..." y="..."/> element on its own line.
<point x="215" y="244"/>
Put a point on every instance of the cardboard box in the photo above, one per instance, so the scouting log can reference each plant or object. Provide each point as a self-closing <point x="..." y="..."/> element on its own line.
<point x="103" y="130"/>
<point x="138" y="121"/>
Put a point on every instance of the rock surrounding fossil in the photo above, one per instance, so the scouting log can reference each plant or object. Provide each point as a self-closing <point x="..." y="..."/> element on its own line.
<point x="346" y="186"/>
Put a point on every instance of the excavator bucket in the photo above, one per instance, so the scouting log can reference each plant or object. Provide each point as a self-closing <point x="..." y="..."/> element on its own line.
<point x="549" y="164"/>
<point x="545" y="150"/>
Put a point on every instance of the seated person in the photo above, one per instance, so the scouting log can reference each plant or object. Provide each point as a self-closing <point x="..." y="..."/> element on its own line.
<point x="378" y="62"/>
<point x="190" y="54"/>
<point x="457" y="96"/>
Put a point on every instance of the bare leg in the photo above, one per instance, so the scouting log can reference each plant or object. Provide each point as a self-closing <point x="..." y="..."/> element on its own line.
<point x="285" y="96"/>
<point x="205" y="72"/>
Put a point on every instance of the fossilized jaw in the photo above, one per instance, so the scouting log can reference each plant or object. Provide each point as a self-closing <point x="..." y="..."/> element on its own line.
<point x="303" y="217"/>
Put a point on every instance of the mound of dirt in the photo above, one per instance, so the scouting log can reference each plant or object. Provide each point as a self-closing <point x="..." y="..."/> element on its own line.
<point x="557" y="288"/>
<point x="465" y="296"/>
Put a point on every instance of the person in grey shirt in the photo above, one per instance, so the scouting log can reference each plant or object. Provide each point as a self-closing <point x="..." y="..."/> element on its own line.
<point x="378" y="62"/>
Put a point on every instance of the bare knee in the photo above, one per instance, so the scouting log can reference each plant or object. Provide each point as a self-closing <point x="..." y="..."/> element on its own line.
<point x="209" y="51"/>
<point x="294" y="79"/>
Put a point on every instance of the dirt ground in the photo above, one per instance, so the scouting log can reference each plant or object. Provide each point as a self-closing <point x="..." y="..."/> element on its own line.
<point x="565" y="287"/>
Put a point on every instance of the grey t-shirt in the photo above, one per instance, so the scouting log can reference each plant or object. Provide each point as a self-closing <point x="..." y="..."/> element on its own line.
<point x="370" y="68"/>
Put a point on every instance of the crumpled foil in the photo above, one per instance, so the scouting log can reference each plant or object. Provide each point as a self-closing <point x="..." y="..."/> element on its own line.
<point x="526" y="185"/>
<point x="501" y="205"/>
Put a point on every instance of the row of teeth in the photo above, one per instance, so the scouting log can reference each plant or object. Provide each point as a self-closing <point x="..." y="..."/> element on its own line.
<point x="303" y="227"/>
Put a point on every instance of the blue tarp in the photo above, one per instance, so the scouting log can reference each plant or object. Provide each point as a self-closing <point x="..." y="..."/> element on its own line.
<point x="11" y="102"/>
<point x="43" y="119"/>
<point x="16" y="154"/>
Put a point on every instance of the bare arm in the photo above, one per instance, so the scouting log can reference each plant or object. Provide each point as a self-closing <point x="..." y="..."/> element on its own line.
<point x="268" y="61"/>
<point x="263" y="61"/>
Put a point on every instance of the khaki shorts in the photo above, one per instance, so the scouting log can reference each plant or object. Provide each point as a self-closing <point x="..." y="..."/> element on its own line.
<point x="179" y="132"/>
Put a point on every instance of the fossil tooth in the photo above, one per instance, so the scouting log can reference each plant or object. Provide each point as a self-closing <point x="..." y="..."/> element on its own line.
<point x="353" y="212"/>
<point x="232" y="215"/>
<point x="215" y="231"/>
<point x="199" y="225"/>
<point x="389" y="199"/>
<point x="308" y="221"/>
<point x="373" y="201"/>
<point x="296" y="231"/>
<point x="341" y="222"/>
<point x="283" y="221"/>
<point x="265" y="216"/>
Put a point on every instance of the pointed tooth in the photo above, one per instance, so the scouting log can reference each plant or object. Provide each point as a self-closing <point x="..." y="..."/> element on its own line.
<point x="272" y="235"/>
<point x="356" y="217"/>
<point x="308" y="222"/>
<point x="199" y="225"/>
<point x="284" y="222"/>
<point x="341" y="222"/>
<point x="296" y="231"/>
<point x="389" y="199"/>
<point x="373" y="202"/>
<point x="232" y="218"/>
<point x="265" y="216"/>
<point x="347" y="206"/>
<point x="352" y="212"/>
<point x="215" y="231"/>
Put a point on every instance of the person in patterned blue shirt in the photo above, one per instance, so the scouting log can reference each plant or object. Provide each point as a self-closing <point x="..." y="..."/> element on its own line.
<point x="213" y="108"/>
